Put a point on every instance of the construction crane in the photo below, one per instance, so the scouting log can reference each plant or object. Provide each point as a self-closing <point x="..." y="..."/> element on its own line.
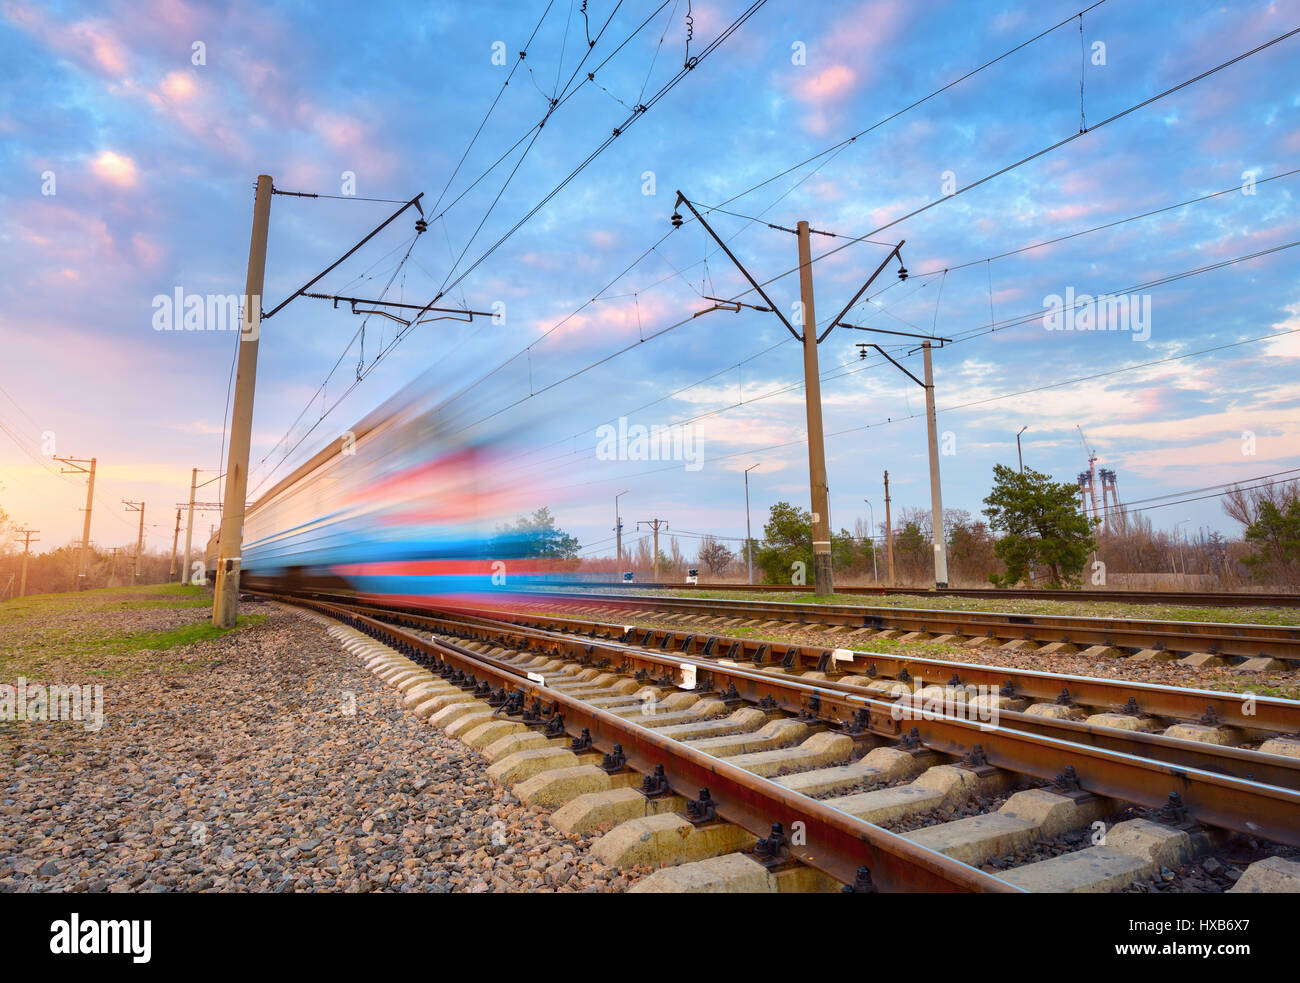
<point x="1088" y="479"/>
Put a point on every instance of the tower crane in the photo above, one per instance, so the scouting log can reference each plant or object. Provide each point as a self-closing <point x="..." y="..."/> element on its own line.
<point x="1088" y="479"/>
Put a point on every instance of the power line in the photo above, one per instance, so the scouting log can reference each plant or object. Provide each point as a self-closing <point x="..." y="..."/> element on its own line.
<point x="535" y="131"/>
<point x="636" y="114"/>
<point x="1201" y="498"/>
<point x="1001" y="171"/>
<point x="1227" y="485"/>
<point x="949" y="409"/>
<point x="853" y="241"/>
<point x="834" y="150"/>
<point x="835" y="373"/>
<point x="1039" y="153"/>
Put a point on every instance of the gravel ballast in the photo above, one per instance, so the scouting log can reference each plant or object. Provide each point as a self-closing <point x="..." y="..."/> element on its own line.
<point x="276" y="762"/>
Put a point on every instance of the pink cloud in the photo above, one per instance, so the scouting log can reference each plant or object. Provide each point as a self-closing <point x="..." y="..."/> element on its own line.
<point x="89" y="43"/>
<point x="828" y="85"/>
<point x="1065" y="212"/>
<point x="860" y="37"/>
<point x="178" y="86"/>
<point x="115" y="169"/>
<point x="146" y="250"/>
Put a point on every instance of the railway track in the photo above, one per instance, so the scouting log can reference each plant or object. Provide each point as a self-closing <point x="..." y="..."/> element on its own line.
<point x="726" y="772"/>
<point x="1200" y="642"/>
<point x="1189" y="598"/>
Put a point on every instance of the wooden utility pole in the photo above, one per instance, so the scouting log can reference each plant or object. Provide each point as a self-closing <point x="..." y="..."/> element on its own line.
<point x="189" y="528"/>
<point x="77" y="466"/>
<point x="823" y="578"/>
<point x="936" y="493"/>
<point x="27" y="535"/>
<point x="225" y="604"/>
<point x="139" y="542"/>
<point x="654" y="524"/>
<point x="889" y="533"/>
<point x="175" y="538"/>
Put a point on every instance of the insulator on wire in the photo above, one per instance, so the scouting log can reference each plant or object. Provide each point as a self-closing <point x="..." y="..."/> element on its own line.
<point x="902" y="272"/>
<point x="421" y="226"/>
<point x="677" y="220"/>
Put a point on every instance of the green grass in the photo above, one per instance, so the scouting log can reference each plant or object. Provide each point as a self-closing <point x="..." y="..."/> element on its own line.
<point x="45" y="606"/>
<point x="159" y="641"/>
<point x="55" y="635"/>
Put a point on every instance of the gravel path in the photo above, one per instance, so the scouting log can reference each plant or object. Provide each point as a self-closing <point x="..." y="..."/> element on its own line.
<point x="248" y="774"/>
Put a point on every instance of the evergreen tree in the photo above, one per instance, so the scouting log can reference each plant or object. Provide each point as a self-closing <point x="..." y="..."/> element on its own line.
<point x="1041" y="527"/>
<point x="787" y="538"/>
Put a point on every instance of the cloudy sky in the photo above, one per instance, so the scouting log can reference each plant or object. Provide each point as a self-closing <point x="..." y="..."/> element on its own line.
<point x="131" y="136"/>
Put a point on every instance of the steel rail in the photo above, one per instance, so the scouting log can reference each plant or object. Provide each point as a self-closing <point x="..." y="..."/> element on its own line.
<point x="836" y="843"/>
<point x="1239" y="804"/>
<point x="1271" y="769"/>
<point x="1249" y="712"/>
<point x="1247" y="640"/>
<point x="1245" y="599"/>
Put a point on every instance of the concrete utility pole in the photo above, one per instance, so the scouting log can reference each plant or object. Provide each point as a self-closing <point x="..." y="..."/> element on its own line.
<point x="618" y="534"/>
<point x="175" y="538"/>
<point x="749" y="536"/>
<point x="77" y="467"/>
<point x="875" y="572"/>
<point x="889" y="533"/>
<point x="654" y="524"/>
<point x="114" y="550"/>
<point x="139" y="542"/>
<point x="189" y="528"/>
<point x="1020" y="457"/>
<point x="823" y="579"/>
<point x="936" y="493"/>
<point x="225" y="605"/>
<point x="27" y="544"/>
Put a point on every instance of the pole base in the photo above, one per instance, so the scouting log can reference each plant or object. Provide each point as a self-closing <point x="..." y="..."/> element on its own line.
<point x="823" y="581"/>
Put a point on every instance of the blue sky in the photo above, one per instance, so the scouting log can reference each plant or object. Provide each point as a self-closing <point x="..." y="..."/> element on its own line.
<point x="154" y="159"/>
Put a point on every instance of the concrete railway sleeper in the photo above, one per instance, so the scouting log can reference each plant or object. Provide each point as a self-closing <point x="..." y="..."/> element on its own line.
<point x="1186" y="743"/>
<point x="766" y="763"/>
<point x="1254" y="716"/>
<point x="842" y="844"/>
<point x="1126" y="704"/>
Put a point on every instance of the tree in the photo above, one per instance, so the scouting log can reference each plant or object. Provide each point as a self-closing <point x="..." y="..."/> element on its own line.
<point x="1243" y="504"/>
<point x="787" y="539"/>
<point x="1275" y="534"/>
<point x="911" y="550"/>
<point x="534" y="536"/>
<point x="1041" y="526"/>
<point x="971" y="553"/>
<point x="846" y="554"/>
<point x="715" y="556"/>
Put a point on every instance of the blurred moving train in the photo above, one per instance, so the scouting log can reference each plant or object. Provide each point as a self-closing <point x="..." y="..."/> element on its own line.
<point x="399" y="506"/>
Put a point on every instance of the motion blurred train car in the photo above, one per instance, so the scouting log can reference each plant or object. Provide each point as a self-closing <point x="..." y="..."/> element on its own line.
<point x="210" y="554"/>
<point x="397" y="507"/>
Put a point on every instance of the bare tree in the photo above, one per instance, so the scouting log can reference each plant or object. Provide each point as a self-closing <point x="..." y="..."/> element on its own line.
<point x="1242" y="504"/>
<point x="715" y="556"/>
